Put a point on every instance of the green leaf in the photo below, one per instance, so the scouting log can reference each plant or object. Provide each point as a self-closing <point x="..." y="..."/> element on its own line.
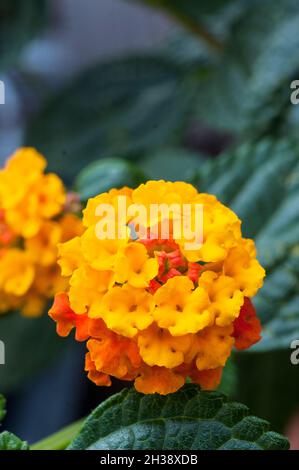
<point x="9" y="441"/>
<point x="2" y="407"/>
<point x="19" y="22"/>
<point x="188" y="419"/>
<point x="30" y="344"/>
<point x="260" y="183"/>
<point x="172" y="164"/>
<point x="100" y="176"/>
<point x="122" y="108"/>
<point x="210" y="22"/>
<point x="248" y="89"/>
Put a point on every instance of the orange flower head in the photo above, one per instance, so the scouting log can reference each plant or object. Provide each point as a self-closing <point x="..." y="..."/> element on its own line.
<point x="33" y="220"/>
<point x="155" y="305"/>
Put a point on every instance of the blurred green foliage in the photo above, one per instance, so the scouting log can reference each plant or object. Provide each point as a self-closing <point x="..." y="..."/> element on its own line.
<point x="235" y="77"/>
<point x="102" y="175"/>
<point x="121" y="108"/>
<point x="2" y="407"/>
<point x="19" y="22"/>
<point x="30" y="345"/>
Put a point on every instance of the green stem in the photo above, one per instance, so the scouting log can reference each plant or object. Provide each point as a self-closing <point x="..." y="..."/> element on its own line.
<point x="190" y="23"/>
<point x="61" y="439"/>
<point x="199" y="30"/>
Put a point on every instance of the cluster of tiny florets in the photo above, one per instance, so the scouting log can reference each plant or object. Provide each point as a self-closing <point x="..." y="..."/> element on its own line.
<point x="33" y="220"/>
<point x="151" y="310"/>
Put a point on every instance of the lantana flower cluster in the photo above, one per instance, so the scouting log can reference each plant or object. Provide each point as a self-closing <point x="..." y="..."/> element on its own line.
<point x="33" y="220"/>
<point x="151" y="310"/>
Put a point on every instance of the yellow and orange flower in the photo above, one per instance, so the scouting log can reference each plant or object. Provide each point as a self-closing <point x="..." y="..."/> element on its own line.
<point x="33" y="220"/>
<point x="152" y="310"/>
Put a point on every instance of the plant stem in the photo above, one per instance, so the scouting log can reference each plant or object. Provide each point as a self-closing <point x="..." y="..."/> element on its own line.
<point x="190" y="23"/>
<point x="199" y="30"/>
<point x="61" y="439"/>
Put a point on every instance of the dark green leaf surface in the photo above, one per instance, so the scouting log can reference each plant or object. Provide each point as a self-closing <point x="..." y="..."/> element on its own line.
<point x="172" y="164"/>
<point x="244" y="87"/>
<point x="19" y="22"/>
<point x="105" y="174"/>
<point x="249" y="88"/>
<point x="30" y="343"/>
<point x="260" y="183"/>
<point x="188" y="419"/>
<point x="122" y="108"/>
<point x="9" y="441"/>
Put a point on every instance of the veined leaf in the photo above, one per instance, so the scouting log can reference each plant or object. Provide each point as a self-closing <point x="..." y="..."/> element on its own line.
<point x="260" y="183"/>
<point x="9" y="441"/>
<point x="189" y="419"/>
<point x="248" y="90"/>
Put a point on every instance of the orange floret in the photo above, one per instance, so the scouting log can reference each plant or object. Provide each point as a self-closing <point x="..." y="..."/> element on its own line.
<point x="247" y="327"/>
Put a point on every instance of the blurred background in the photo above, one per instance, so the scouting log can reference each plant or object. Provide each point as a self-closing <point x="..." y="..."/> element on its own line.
<point x="74" y="37"/>
<point x="188" y="90"/>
